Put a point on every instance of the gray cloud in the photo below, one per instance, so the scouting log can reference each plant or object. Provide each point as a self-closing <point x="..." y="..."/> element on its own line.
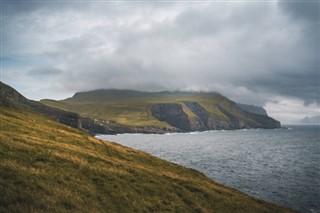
<point x="306" y="10"/>
<point x="238" y="49"/>
<point x="41" y="72"/>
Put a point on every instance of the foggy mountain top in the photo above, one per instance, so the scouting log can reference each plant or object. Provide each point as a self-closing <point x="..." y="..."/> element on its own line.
<point x="262" y="53"/>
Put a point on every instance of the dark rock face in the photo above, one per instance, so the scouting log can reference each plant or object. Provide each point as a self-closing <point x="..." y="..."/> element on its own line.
<point x="234" y="122"/>
<point x="173" y="114"/>
<point x="146" y="130"/>
<point x="263" y="121"/>
<point x="232" y="118"/>
<point x="89" y="125"/>
<point x="202" y="114"/>
<point x="248" y="120"/>
<point x="211" y="122"/>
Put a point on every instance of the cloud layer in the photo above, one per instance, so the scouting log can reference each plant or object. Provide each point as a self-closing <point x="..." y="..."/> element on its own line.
<point x="253" y="52"/>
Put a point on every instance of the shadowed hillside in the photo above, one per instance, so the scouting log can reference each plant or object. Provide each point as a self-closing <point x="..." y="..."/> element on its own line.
<point x="159" y="112"/>
<point x="50" y="167"/>
<point x="9" y="97"/>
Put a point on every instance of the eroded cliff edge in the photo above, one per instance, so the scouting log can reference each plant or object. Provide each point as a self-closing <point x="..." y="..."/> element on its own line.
<point x="203" y="120"/>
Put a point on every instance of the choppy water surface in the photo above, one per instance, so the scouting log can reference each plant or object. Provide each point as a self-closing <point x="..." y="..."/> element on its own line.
<point x="281" y="166"/>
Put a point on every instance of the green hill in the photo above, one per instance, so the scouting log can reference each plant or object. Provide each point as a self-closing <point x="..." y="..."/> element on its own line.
<point x="134" y="111"/>
<point x="47" y="166"/>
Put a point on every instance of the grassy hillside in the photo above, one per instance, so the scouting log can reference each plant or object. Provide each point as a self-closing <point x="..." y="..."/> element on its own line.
<point x="130" y="108"/>
<point x="133" y="108"/>
<point x="49" y="167"/>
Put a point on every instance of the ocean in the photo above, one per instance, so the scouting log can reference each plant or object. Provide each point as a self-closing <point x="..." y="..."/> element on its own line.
<point x="281" y="166"/>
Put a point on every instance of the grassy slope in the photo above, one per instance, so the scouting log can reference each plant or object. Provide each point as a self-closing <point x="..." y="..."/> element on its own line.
<point x="48" y="167"/>
<point x="132" y="109"/>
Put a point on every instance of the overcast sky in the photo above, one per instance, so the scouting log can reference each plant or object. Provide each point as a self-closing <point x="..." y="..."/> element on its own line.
<point x="256" y="52"/>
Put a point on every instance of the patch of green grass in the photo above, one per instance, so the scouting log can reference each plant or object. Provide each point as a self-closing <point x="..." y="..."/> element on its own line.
<point x="49" y="167"/>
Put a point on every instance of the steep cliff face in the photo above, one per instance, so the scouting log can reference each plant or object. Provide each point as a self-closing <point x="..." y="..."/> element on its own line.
<point x="120" y="111"/>
<point x="230" y="118"/>
<point x="173" y="114"/>
<point x="201" y="122"/>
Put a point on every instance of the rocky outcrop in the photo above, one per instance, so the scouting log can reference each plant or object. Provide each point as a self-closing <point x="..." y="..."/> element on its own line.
<point x="262" y="121"/>
<point x="89" y="125"/>
<point x="240" y="119"/>
<point x="145" y="130"/>
<point x="202" y="122"/>
<point x="212" y="122"/>
<point x="231" y="118"/>
<point x="173" y="114"/>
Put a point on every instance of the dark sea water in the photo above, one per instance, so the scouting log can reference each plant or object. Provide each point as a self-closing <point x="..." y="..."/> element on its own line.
<point x="281" y="166"/>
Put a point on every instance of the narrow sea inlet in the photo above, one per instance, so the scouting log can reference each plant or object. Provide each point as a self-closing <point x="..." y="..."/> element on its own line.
<point x="280" y="166"/>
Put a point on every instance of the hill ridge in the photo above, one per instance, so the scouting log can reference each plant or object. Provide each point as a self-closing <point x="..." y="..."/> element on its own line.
<point x="9" y="97"/>
<point x="134" y="111"/>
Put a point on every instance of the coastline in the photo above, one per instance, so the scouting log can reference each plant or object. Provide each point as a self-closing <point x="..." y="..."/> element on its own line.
<point x="55" y="168"/>
<point x="191" y="151"/>
<point x="158" y="130"/>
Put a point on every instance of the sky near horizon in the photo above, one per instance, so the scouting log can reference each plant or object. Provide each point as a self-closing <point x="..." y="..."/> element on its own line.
<point x="256" y="52"/>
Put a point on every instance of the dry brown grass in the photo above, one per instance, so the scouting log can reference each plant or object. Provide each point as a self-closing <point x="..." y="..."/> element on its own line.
<point x="49" y="167"/>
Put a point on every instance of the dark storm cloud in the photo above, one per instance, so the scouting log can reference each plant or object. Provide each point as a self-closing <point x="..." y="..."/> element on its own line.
<point x="287" y="85"/>
<point x="236" y="48"/>
<point x="302" y="80"/>
<point x="307" y="10"/>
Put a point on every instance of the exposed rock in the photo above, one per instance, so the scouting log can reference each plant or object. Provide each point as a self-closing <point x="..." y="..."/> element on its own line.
<point x="146" y="130"/>
<point x="233" y="117"/>
<point x="89" y="125"/>
<point x="173" y="114"/>
<point x="202" y="114"/>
